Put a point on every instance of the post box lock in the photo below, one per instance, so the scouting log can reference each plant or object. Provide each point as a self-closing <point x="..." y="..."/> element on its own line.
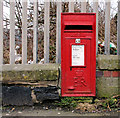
<point x="78" y="54"/>
<point x="77" y="41"/>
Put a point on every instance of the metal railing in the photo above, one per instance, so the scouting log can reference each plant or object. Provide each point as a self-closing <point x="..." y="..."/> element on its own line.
<point x="46" y="29"/>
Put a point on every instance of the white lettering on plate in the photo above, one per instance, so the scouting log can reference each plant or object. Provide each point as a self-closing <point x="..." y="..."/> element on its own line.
<point x="77" y="55"/>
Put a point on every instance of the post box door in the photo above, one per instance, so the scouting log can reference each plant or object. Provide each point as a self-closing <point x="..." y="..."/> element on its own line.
<point x="78" y="56"/>
<point x="77" y="76"/>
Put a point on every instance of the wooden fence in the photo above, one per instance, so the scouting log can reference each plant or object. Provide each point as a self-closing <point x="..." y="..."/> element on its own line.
<point x="46" y="30"/>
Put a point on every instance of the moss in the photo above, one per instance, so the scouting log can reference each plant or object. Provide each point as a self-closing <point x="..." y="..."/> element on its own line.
<point x="109" y="62"/>
<point x="43" y="75"/>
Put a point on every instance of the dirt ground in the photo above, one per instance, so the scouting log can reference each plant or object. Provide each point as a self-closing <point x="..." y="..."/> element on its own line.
<point x="50" y="110"/>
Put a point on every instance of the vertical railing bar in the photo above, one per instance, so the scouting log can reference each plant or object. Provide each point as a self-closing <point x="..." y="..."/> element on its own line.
<point x="58" y="32"/>
<point x="118" y="30"/>
<point x="1" y="32"/>
<point x="83" y="6"/>
<point x="35" y="31"/>
<point x="71" y="6"/>
<point x="12" y="32"/>
<point x="95" y="9"/>
<point x="24" y="32"/>
<point x="107" y="28"/>
<point x="46" y="31"/>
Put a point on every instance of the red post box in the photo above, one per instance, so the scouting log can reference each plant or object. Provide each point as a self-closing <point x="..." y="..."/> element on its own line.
<point x="78" y="54"/>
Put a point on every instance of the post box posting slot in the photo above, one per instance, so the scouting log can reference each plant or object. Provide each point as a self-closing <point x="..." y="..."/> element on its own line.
<point x="78" y="27"/>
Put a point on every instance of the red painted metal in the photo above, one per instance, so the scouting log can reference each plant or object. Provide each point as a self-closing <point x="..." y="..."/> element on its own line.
<point x="78" y="80"/>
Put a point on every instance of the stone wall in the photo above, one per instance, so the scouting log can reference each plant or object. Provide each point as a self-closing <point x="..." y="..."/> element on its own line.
<point x="107" y="75"/>
<point x="42" y="82"/>
<point x="29" y="84"/>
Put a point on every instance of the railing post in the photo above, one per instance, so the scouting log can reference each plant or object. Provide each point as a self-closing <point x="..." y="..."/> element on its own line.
<point x="71" y="6"/>
<point x="1" y="32"/>
<point x="24" y="32"/>
<point x="95" y="9"/>
<point x="46" y="31"/>
<point x="1" y="49"/>
<point x="58" y="32"/>
<point x="118" y="30"/>
<point x="12" y="31"/>
<point x="107" y="28"/>
<point x="35" y="31"/>
<point x="83" y="6"/>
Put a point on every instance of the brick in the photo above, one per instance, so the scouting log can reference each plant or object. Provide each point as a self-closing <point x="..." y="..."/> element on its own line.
<point x="116" y="74"/>
<point x="99" y="73"/>
<point x="107" y="73"/>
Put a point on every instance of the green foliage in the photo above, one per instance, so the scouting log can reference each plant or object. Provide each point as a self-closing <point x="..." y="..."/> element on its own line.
<point x="71" y="102"/>
<point x="67" y="102"/>
<point x="110" y="103"/>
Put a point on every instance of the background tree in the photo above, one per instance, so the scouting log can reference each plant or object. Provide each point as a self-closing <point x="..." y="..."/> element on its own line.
<point x="18" y="31"/>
